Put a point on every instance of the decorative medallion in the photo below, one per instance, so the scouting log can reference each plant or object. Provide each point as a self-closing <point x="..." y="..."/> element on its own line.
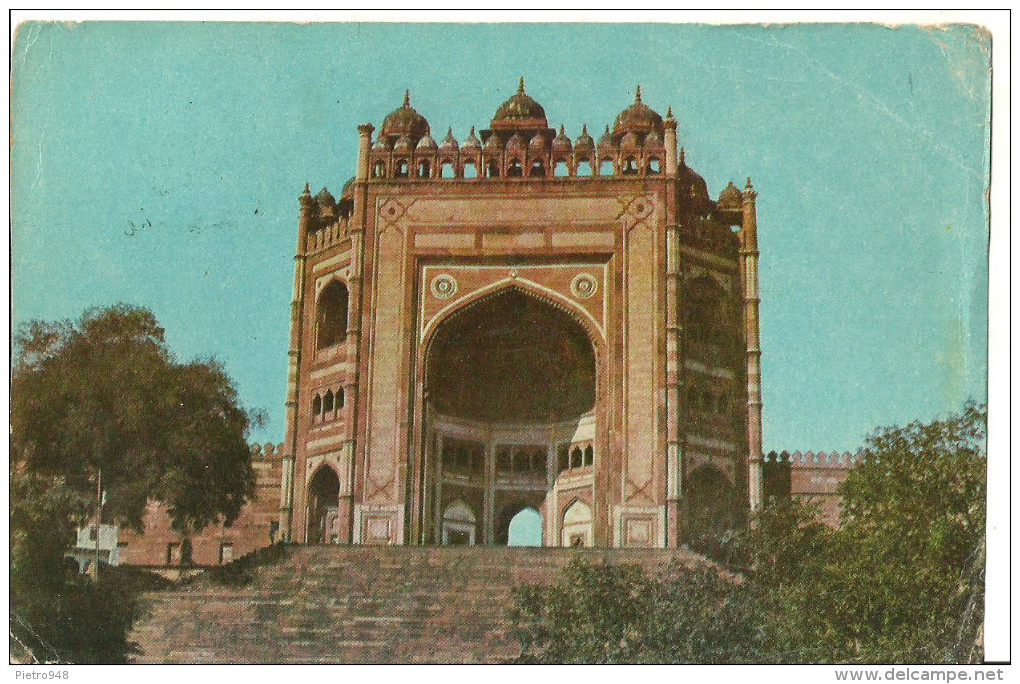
<point x="584" y="286"/>
<point x="444" y="286"/>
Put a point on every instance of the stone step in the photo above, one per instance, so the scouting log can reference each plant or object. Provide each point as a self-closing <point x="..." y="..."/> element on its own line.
<point x="332" y="604"/>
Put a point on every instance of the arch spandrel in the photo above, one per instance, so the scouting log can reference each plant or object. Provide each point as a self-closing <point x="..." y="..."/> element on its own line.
<point x="590" y="312"/>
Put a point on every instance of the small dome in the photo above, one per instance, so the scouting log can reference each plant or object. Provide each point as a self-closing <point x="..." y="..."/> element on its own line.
<point x="520" y="111"/>
<point x="403" y="144"/>
<point x="405" y="121"/>
<point x="472" y="141"/>
<point x="449" y="143"/>
<point x="637" y="117"/>
<point x="492" y="143"/>
<point x="606" y="141"/>
<point x="325" y="199"/>
<point x="515" y="142"/>
<point x="426" y="143"/>
<point x="348" y="189"/>
<point x="538" y="142"/>
<point x="653" y="139"/>
<point x="381" y="144"/>
<point x="584" y="141"/>
<point x="730" y="197"/>
<point x="561" y="143"/>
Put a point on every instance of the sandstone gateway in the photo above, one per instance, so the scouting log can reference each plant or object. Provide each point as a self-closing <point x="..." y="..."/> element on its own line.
<point x="518" y="320"/>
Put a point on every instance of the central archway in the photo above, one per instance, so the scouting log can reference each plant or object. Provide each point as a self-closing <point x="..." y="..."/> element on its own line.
<point x="510" y="382"/>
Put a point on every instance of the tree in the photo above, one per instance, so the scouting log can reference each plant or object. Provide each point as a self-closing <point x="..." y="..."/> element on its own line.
<point x="104" y="394"/>
<point x="910" y="548"/>
<point x="107" y="394"/>
<point x="606" y="613"/>
<point x="901" y="580"/>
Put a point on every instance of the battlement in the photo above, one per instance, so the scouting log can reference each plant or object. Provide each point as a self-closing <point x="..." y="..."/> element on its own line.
<point x="268" y="450"/>
<point x="811" y="476"/>
<point x="820" y="459"/>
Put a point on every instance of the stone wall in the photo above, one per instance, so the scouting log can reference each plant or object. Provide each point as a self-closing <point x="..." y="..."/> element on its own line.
<point x="255" y="528"/>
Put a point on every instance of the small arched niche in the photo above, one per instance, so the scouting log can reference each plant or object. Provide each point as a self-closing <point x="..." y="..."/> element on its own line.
<point x="577" y="527"/>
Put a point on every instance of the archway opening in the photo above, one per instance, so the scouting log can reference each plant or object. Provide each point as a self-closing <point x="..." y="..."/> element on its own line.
<point x="512" y="358"/>
<point x="323" y="507"/>
<point x="711" y="510"/>
<point x="508" y="380"/>
<point x="525" y="528"/>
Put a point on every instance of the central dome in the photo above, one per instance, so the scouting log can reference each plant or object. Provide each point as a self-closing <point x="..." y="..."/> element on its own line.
<point x="405" y="121"/>
<point x="520" y="111"/>
<point x="638" y="117"/>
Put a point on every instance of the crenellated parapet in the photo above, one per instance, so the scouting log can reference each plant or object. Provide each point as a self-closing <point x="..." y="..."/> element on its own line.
<point x="811" y="476"/>
<point x="820" y="459"/>
<point x="268" y="450"/>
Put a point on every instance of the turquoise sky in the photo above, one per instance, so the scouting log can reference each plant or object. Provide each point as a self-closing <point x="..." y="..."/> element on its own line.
<point x="160" y="164"/>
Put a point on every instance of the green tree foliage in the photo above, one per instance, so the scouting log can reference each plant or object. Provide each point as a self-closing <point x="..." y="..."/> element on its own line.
<point x="105" y="394"/>
<point x="901" y="580"/>
<point x="605" y="613"/>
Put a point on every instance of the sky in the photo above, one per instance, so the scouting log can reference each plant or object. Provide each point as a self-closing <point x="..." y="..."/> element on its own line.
<point x="160" y="164"/>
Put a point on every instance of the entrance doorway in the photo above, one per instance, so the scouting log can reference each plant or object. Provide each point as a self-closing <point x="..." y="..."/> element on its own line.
<point x="323" y="507"/>
<point x="508" y="379"/>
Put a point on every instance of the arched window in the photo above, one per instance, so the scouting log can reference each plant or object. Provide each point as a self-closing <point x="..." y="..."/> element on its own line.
<point x="653" y="166"/>
<point x="331" y="315"/>
<point x="327" y="404"/>
<point x="458" y="524"/>
<point x="583" y="167"/>
<point x="537" y="169"/>
<point x="316" y="406"/>
<point x="630" y="167"/>
<point x="521" y="461"/>
<point x="446" y="170"/>
<point x="379" y="170"/>
<point x="401" y="170"/>
<point x="424" y="169"/>
<point x="576" y="457"/>
<point x="606" y="167"/>
<point x="492" y="169"/>
<point x="503" y="459"/>
<point x="538" y="461"/>
<point x="588" y="455"/>
<point x="513" y="169"/>
<point x="340" y="398"/>
<point x="561" y="170"/>
<point x="470" y="170"/>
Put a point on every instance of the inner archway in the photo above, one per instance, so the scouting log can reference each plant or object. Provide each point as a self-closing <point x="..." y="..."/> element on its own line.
<point x="509" y="380"/>
<point x="512" y="358"/>
<point x="525" y="528"/>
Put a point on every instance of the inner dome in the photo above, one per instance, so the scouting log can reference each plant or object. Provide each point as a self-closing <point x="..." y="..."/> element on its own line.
<point x="512" y="358"/>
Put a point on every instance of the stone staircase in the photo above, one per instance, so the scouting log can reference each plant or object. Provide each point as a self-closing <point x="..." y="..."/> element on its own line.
<point x="357" y="604"/>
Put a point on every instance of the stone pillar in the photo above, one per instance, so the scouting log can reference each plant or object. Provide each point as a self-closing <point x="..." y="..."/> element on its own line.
<point x="364" y="145"/>
<point x="294" y="365"/>
<point x="670" y="141"/>
<point x="749" y="283"/>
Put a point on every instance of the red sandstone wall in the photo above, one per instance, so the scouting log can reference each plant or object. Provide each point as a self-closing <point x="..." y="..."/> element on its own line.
<point x="815" y="477"/>
<point x="249" y="532"/>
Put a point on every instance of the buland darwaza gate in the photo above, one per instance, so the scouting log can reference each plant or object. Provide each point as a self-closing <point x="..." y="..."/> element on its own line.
<point x="518" y="321"/>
